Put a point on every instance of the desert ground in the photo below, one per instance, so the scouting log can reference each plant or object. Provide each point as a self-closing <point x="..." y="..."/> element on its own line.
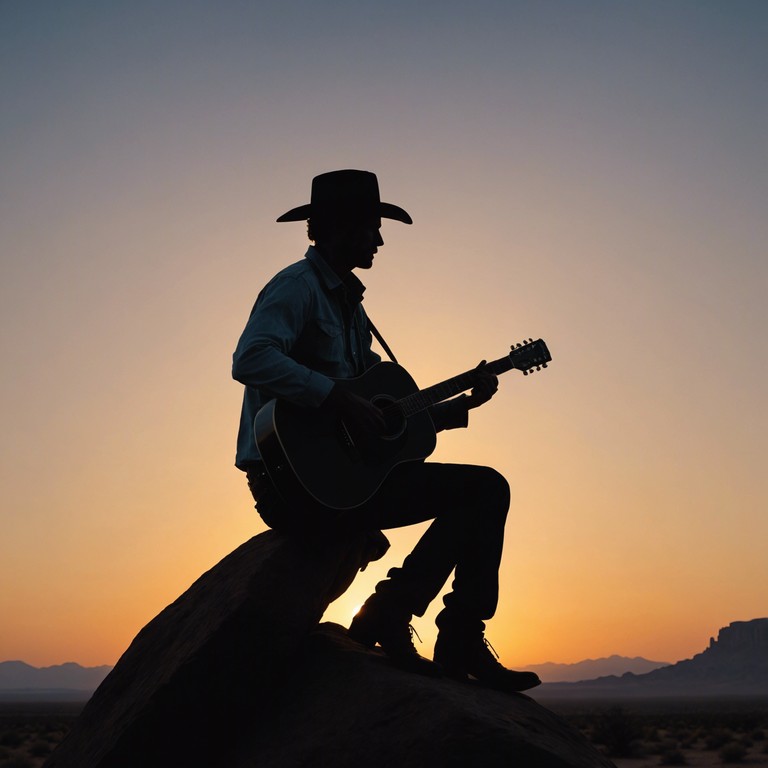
<point x="692" y="732"/>
<point x="634" y="734"/>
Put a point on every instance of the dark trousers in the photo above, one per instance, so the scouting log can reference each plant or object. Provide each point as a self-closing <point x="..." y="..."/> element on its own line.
<point x="468" y="506"/>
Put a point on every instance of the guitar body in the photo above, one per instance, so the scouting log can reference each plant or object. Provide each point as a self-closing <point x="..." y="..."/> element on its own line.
<point x="312" y="459"/>
<point x="315" y="461"/>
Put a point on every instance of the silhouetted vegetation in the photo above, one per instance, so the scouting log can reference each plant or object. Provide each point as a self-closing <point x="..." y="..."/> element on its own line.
<point x="733" y="729"/>
<point x="665" y="731"/>
<point x="29" y="732"/>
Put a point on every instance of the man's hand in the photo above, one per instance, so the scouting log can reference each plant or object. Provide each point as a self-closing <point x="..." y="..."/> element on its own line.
<point x="486" y="386"/>
<point x="359" y="415"/>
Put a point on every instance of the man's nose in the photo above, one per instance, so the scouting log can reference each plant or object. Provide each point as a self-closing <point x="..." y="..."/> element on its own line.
<point x="379" y="239"/>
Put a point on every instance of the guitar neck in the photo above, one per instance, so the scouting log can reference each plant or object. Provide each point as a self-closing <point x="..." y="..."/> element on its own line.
<point x="425" y="398"/>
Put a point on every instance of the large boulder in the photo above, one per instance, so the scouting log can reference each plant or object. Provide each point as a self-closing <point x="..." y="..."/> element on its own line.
<point x="237" y="673"/>
<point x="214" y="656"/>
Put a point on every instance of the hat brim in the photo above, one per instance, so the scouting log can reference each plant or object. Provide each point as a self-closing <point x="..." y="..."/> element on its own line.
<point x="386" y="211"/>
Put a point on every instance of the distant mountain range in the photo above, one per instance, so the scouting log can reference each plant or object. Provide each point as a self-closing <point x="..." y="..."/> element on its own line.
<point x="592" y="668"/>
<point x="23" y="681"/>
<point x="736" y="664"/>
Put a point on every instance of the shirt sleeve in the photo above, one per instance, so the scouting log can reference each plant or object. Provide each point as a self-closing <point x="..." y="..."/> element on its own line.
<point x="262" y="357"/>
<point x="452" y="414"/>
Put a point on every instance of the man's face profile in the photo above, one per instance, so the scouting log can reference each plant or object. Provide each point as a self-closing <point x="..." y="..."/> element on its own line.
<point x="354" y="243"/>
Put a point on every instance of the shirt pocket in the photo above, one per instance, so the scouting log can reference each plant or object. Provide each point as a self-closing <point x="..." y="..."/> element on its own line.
<point x="322" y="348"/>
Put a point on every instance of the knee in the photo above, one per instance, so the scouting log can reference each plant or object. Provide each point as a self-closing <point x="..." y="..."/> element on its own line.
<point x="496" y="490"/>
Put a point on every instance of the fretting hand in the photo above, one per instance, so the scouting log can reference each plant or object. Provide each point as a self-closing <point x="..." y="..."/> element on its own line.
<point x="485" y="387"/>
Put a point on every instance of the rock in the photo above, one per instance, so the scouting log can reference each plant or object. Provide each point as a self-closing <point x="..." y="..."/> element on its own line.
<point x="237" y="673"/>
<point x="346" y="706"/>
<point x="214" y="656"/>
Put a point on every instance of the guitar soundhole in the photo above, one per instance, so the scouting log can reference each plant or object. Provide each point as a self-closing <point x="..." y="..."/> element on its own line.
<point x="393" y="416"/>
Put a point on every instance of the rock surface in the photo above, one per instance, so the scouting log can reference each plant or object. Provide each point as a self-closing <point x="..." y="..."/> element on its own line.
<point x="237" y="673"/>
<point x="346" y="706"/>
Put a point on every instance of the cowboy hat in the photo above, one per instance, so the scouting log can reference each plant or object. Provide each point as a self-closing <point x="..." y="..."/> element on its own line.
<point x="346" y="194"/>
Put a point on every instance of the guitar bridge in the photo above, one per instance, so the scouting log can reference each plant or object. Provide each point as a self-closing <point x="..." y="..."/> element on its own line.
<point x="345" y="436"/>
<point x="348" y="442"/>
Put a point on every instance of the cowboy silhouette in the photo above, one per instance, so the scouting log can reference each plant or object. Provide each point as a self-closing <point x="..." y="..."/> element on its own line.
<point x="307" y="339"/>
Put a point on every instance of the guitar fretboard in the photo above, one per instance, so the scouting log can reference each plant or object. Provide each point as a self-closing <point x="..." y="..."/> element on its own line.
<point x="424" y="398"/>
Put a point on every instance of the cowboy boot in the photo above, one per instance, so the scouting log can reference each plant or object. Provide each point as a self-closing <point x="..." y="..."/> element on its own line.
<point x="463" y="652"/>
<point x="382" y="621"/>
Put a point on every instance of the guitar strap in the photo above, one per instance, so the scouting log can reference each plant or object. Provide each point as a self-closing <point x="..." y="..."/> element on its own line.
<point x="375" y="331"/>
<point x="371" y="327"/>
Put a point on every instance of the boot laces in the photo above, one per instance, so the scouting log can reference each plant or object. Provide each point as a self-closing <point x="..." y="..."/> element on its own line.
<point x="399" y="642"/>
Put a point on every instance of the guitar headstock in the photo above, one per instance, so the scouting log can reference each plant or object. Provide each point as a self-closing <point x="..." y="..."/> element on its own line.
<point x="529" y="356"/>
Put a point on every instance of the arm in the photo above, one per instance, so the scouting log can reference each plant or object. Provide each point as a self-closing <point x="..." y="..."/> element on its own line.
<point x="262" y="357"/>
<point x="453" y="414"/>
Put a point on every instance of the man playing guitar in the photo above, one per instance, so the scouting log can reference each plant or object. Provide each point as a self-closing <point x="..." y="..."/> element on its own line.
<point x="307" y="336"/>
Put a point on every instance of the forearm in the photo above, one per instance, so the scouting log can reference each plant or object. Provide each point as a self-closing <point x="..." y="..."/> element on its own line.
<point x="452" y="414"/>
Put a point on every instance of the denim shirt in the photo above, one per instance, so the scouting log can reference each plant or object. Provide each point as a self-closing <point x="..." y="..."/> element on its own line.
<point x="307" y="328"/>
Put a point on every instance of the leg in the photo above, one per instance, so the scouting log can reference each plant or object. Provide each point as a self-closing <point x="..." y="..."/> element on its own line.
<point x="469" y="506"/>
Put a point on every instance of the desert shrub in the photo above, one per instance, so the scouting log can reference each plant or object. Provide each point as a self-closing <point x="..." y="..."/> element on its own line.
<point x="718" y="738"/>
<point x="39" y="748"/>
<point x="673" y="757"/>
<point x="733" y="752"/>
<point x="17" y="761"/>
<point x="662" y="746"/>
<point x="618" y="731"/>
<point x="651" y="733"/>
<point x="12" y="738"/>
<point x="699" y="733"/>
<point x="689" y="742"/>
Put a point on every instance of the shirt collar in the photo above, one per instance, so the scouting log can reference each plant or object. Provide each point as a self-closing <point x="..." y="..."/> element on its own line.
<point x="331" y="280"/>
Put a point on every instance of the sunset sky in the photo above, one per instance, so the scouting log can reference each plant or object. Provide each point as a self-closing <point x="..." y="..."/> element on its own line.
<point x="591" y="172"/>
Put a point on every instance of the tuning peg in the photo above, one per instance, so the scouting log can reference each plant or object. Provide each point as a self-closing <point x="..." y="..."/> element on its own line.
<point x="530" y="341"/>
<point x="525" y="373"/>
<point x="543" y="365"/>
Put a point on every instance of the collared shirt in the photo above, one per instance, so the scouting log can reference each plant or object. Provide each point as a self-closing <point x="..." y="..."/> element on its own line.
<point x="307" y="328"/>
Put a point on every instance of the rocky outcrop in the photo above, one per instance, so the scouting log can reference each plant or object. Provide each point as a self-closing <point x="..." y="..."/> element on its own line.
<point x="736" y="664"/>
<point x="237" y="673"/>
<point x="742" y="637"/>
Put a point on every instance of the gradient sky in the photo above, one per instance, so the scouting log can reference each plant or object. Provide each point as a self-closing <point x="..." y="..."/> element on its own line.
<point x="594" y="173"/>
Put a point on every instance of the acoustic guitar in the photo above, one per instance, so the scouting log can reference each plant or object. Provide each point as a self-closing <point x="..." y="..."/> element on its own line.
<point x="313" y="458"/>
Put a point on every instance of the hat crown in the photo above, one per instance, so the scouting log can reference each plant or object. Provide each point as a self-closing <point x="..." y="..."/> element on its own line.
<point x="346" y="194"/>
